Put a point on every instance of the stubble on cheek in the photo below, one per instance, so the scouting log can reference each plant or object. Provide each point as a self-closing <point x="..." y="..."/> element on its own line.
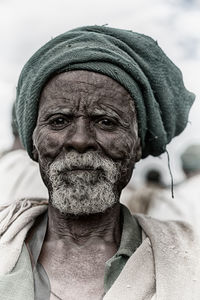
<point x="124" y="150"/>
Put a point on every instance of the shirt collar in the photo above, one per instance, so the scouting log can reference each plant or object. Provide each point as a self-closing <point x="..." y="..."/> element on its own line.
<point x="131" y="234"/>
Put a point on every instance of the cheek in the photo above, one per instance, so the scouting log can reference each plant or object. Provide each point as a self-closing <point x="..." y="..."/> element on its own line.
<point x="118" y="147"/>
<point x="47" y="145"/>
<point x="121" y="148"/>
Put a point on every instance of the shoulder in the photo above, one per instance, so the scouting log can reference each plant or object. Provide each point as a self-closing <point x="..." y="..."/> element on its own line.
<point x="15" y="221"/>
<point x="179" y="231"/>
<point x="175" y="241"/>
<point x="175" y="248"/>
<point x="19" y="213"/>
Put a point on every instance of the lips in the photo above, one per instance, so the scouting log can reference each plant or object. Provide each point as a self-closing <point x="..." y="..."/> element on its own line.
<point x="84" y="175"/>
<point x="85" y="171"/>
<point x="82" y="169"/>
<point x="74" y="171"/>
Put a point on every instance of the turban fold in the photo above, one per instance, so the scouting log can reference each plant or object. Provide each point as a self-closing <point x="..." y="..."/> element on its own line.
<point x="134" y="60"/>
<point x="14" y="122"/>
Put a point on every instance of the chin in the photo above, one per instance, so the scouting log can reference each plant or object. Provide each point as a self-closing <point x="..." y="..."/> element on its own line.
<point x="84" y="201"/>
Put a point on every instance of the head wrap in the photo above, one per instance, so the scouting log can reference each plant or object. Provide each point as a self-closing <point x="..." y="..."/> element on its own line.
<point x="190" y="159"/>
<point x="14" y="122"/>
<point x="134" y="60"/>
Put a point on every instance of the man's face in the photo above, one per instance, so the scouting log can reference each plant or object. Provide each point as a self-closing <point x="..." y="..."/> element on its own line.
<point x="86" y="141"/>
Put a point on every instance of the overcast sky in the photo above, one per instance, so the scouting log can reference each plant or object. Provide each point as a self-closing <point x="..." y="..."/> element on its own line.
<point x="25" y="25"/>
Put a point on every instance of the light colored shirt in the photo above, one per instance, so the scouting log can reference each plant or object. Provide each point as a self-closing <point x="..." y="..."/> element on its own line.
<point x="130" y="240"/>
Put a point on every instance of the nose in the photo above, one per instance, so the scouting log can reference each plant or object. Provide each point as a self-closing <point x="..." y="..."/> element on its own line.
<point x="82" y="137"/>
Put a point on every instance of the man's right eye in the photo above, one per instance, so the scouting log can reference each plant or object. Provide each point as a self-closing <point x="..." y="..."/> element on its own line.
<point x="59" y="122"/>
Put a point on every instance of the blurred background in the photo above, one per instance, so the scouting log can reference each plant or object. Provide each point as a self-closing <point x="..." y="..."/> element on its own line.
<point x="25" y="25"/>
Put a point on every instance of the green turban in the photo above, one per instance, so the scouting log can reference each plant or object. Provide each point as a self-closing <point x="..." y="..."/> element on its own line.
<point x="134" y="60"/>
<point x="14" y="122"/>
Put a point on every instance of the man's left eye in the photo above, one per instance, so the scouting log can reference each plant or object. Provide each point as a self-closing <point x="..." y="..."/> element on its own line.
<point x="106" y="123"/>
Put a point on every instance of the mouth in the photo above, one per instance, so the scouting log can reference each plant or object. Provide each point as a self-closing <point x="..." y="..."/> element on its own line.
<point x="87" y="174"/>
<point x="77" y="171"/>
<point x="82" y="169"/>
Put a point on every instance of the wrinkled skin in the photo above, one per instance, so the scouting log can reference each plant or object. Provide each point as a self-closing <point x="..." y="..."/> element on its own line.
<point x="84" y="111"/>
<point x="67" y="120"/>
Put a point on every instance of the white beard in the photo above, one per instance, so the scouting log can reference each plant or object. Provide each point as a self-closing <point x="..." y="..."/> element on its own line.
<point x="81" y="192"/>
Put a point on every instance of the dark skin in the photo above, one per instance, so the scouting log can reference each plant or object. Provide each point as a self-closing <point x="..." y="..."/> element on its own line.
<point x="84" y="111"/>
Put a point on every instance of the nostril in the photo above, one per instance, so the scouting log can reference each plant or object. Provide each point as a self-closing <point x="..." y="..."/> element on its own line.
<point x="91" y="148"/>
<point x="81" y="148"/>
<point x="69" y="148"/>
<point x="82" y="138"/>
<point x="81" y="145"/>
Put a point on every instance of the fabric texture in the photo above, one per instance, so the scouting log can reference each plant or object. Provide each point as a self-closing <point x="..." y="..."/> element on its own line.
<point x="18" y="284"/>
<point x="137" y="280"/>
<point x="130" y="241"/>
<point x="132" y="59"/>
<point x="164" y="264"/>
<point x="14" y="121"/>
<point x="34" y="243"/>
<point x="15" y="221"/>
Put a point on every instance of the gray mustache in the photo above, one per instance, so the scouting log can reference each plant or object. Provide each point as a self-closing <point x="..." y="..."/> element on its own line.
<point x="87" y="161"/>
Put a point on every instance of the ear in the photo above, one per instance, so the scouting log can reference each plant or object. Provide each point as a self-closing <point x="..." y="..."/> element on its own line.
<point x="138" y="151"/>
<point x="35" y="154"/>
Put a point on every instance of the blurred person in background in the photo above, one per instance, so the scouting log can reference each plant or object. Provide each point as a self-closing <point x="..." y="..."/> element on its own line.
<point x="190" y="161"/>
<point x="185" y="206"/>
<point x="90" y="104"/>
<point x="19" y="175"/>
<point x="153" y="177"/>
<point x="139" y="200"/>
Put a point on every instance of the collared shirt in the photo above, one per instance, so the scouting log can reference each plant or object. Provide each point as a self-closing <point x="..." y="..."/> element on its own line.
<point x="130" y="240"/>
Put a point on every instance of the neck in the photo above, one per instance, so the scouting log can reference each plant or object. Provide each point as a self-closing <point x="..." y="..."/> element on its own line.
<point x="81" y="229"/>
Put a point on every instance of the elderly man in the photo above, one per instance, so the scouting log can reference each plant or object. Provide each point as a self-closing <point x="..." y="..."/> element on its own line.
<point x="90" y="104"/>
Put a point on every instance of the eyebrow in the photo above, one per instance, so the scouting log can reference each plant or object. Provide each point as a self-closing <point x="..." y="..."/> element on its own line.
<point x="93" y="112"/>
<point x="110" y="113"/>
<point x="96" y="112"/>
<point x="100" y="112"/>
<point x="57" y="110"/>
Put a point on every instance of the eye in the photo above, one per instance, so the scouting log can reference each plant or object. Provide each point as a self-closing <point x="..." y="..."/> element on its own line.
<point x="106" y="123"/>
<point x="59" y="122"/>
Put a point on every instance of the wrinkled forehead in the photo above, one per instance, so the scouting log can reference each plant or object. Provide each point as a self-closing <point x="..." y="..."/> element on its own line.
<point x="97" y="80"/>
<point x="88" y="86"/>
